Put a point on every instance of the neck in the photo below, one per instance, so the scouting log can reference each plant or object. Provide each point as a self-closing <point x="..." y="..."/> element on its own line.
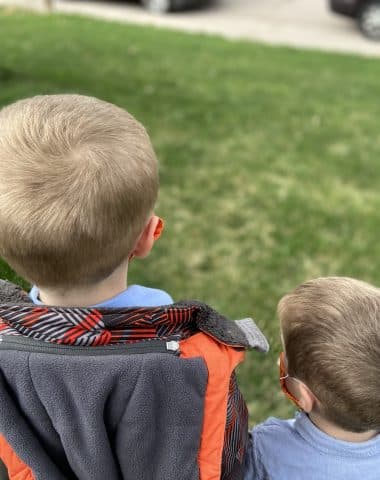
<point x="86" y="295"/>
<point x="337" y="432"/>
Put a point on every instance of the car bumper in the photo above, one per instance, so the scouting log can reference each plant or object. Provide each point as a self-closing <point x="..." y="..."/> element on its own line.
<point x="181" y="4"/>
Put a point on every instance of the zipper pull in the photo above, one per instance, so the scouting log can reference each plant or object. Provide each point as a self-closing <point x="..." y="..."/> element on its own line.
<point x="172" y="346"/>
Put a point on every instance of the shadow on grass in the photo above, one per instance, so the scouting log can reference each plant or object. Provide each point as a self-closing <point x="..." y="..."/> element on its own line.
<point x="7" y="75"/>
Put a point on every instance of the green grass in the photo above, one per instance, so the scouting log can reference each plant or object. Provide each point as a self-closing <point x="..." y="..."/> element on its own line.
<point x="269" y="159"/>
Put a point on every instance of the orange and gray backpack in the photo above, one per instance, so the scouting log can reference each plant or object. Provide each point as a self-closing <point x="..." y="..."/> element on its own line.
<point x="122" y="393"/>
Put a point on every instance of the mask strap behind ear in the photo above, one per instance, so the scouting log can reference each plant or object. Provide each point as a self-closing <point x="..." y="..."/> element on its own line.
<point x="159" y="229"/>
<point x="156" y="235"/>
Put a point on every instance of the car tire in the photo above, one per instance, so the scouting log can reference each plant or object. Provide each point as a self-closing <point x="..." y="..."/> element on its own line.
<point x="157" y="6"/>
<point x="369" y="19"/>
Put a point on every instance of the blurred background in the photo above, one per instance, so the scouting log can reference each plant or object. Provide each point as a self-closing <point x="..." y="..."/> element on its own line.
<point x="265" y="119"/>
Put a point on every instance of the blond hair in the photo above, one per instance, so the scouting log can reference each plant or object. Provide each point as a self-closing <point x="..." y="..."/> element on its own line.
<point x="331" y="332"/>
<point x="78" y="181"/>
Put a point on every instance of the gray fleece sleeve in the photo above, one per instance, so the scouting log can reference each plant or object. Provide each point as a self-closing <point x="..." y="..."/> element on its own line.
<point x="3" y="472"/>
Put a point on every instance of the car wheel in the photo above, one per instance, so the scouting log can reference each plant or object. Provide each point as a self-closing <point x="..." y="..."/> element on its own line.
<point x="369" y="19"/>
<point x="157" y="6"/>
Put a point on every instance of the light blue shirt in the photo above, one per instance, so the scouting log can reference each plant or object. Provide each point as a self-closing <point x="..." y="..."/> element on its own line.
<point x="133" y="296"/>
<point x="298" y="450"/>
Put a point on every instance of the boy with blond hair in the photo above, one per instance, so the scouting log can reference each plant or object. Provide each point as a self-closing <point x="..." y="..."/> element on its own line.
<point x="99" y="379"/>
<point x="330" y="368"/>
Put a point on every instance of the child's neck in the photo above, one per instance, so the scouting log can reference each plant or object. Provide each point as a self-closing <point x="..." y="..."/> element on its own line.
<point x="337" y="432"/>
<point x="86" y="295"/>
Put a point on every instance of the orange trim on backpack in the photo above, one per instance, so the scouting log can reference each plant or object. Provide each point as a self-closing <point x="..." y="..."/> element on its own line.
<point x="221" y="361"/>
<point x="17" y="469"/>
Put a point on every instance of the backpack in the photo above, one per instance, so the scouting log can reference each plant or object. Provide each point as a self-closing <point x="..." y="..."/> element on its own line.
<point x="122" y="394"/>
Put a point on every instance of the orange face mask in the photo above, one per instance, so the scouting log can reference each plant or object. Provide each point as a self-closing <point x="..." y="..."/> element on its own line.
<point x="159" y="228"/>
<point x="283" y="377"/>
<point x="156" y="235"/>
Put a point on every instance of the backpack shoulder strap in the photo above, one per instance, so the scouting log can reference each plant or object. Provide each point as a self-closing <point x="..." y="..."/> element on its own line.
<point x="221" y="361"/>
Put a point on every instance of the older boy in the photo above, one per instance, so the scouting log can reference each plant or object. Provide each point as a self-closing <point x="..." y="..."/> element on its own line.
<point x="99" y="380"/>
<point x="330" y="369"/>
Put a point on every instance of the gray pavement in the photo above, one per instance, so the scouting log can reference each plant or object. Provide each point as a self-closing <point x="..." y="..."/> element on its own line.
<point x="297" y="23"/>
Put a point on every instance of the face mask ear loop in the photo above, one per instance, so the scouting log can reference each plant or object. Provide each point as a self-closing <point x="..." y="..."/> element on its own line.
<point x="159" y="229"/>
<point x="283" y="377"/>
<point x="156" y="235"/>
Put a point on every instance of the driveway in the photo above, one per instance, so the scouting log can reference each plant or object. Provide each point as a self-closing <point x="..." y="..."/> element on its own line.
<point x="298" y="23"/>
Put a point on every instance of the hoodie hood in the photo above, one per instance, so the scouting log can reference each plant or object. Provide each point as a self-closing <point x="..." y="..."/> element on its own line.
<point x="108" y="326"/>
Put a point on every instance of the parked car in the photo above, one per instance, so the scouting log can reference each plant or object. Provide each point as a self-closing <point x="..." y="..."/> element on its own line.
<point x="367" y="13"/>
<point x="163" y="6"/>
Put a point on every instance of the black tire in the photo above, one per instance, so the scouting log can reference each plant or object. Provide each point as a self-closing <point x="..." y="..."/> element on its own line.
<point x="157" y="6"/>
<point x="369" y="19"/>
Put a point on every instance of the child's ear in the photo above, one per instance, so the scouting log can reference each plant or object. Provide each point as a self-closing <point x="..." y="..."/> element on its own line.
<point x="306" y="398"/>
<point x="148" y="236"/>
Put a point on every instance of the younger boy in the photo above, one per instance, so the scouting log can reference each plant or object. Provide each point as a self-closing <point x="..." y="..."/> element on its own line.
<point x="97" y="380"/>
<point x="331" y="369"/>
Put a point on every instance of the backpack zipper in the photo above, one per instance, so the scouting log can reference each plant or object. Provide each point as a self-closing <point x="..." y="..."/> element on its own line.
<point x="27" y="344"/>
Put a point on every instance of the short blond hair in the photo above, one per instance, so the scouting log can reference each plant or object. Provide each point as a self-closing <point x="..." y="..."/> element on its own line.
<point x="331" y="332"/>
<point x="78" y="181"/>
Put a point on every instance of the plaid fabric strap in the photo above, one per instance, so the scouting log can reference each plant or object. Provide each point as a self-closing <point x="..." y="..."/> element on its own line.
<point x="93" y="327"/>
<point x="236" y="434"/>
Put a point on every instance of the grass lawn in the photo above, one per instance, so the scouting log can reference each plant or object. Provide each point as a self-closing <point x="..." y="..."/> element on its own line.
<point x="269" y="159"/>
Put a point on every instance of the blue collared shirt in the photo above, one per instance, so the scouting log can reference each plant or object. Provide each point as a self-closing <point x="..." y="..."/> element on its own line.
<point x="133" y="296"/>
<point x="298" y="450"/>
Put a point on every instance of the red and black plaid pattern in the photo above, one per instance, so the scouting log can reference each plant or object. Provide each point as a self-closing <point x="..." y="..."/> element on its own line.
<point x="236" y="434"/>
<point x="93" y="327"/>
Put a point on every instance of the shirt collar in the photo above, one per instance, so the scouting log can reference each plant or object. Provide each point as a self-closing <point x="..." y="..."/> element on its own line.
<point x="133" y="296"/>
<point x="327" y="444"/>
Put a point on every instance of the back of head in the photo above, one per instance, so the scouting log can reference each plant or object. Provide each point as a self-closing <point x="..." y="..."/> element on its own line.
<point x="78" y="181"/>
<point x="331" y="332"/>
